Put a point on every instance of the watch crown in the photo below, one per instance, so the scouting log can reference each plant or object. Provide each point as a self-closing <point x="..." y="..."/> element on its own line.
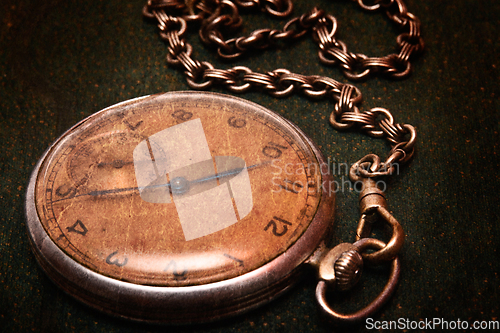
<point x="348" y="269"/>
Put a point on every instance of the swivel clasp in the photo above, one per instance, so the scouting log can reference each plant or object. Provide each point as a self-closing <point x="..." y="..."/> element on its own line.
<point x="373" y="208"/>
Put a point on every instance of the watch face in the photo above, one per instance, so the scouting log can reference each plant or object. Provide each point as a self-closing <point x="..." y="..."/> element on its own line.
<point x="180" y="189"/>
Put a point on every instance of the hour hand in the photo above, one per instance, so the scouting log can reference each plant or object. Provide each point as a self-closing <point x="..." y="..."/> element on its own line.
<point x="117" y="164"/>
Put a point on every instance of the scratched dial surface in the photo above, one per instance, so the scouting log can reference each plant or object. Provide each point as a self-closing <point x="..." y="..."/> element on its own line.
<point x="178" y="189"/>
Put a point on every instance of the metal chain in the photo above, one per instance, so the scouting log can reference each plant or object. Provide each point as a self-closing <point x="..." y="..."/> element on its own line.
<point x="218" y="17"/>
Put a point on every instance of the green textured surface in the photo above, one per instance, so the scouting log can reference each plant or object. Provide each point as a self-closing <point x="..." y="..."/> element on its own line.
<point x="61" y="61"/>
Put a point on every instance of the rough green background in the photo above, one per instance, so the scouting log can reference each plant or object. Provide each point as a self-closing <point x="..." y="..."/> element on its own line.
<point x="60" y="61"/>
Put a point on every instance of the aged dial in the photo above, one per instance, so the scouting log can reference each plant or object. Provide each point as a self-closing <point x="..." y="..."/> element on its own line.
<point x="191" y="190"/>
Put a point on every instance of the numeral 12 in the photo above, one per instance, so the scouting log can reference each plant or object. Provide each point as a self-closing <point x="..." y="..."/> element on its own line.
<point x="279" y="226"/>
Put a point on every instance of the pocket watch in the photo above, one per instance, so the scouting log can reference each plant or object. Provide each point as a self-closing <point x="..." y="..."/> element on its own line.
<point x="197" y="202"/>
<point x="178" y="203"/>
